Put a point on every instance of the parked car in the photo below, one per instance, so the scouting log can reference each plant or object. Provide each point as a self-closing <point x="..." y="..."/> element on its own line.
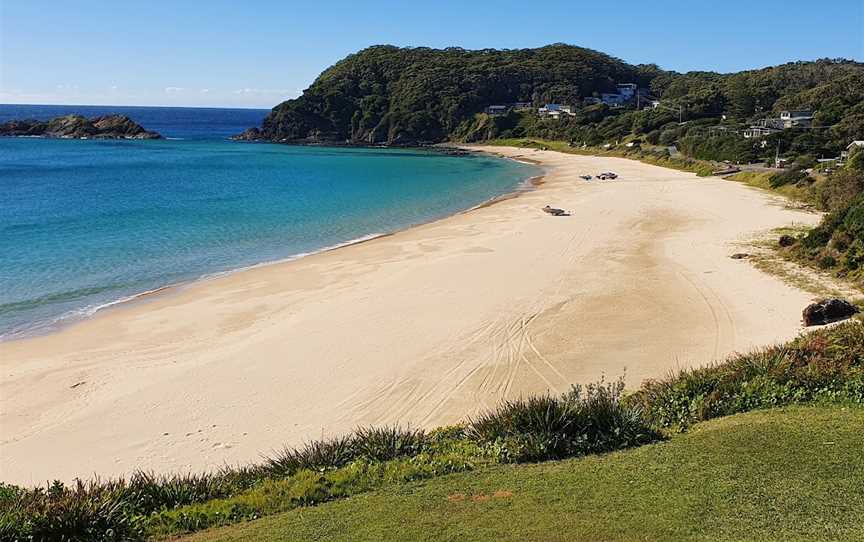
<point x="586" y="177"/>
<point x="607" y="175"/>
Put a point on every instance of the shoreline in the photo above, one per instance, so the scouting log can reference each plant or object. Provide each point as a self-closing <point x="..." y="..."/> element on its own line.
<point x="424" y="326"/>
<point x="73" y="318"/>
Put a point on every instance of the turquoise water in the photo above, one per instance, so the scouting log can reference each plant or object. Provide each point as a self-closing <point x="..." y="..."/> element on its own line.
<point x="84" y="224"/>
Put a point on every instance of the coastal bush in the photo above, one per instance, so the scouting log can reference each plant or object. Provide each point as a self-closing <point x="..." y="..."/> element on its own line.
<point x="368" y="443"/>
<point x="786" y="177"/>
<point x="836" y="243"/>
<point x="576" y="423"/>
<point x="825" y="365"/>
<point x="84" y="511"/>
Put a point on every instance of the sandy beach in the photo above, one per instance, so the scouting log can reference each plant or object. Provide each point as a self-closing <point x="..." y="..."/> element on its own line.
<point x="423" y="327"/>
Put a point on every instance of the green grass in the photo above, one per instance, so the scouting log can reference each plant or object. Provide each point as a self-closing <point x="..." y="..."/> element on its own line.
<point x="795" y="473"/>
<point x="700" y="167"/>
<point x="763" y="180"/>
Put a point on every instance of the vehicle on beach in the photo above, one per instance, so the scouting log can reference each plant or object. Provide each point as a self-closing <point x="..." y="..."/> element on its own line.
<point x="555" y="212"/>
<point x="607" y="175"/>
<point x="586" y="177"/>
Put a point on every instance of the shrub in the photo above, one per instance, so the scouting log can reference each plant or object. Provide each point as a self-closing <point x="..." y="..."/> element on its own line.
<point x="840" y="189"/>
<point x="91" y="511"/>
<point x="316" y="455"/>
<point x="576" y="423"/>
<point x="787" y="177"/>
<point x="827" y="364"/>
<point x="369" y="443"/>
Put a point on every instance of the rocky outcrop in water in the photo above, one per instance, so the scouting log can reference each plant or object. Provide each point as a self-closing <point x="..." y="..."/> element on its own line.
<point x="78" y="127"/>
<point x="249" y="134"/>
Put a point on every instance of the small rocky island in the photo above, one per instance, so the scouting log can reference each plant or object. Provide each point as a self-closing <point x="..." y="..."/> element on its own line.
<point x="78" y="127"/>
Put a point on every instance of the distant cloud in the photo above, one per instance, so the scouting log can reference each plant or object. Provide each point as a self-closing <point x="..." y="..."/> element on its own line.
<point x="67" y="87"/>
<point x="259" y="91"/>
<point x="205" y="90"/>
<point x="112" y="88"/>
<point x="174" y="90"/>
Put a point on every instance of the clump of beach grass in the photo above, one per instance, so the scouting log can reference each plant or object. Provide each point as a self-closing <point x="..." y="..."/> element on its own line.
<point x="582" y="421"/>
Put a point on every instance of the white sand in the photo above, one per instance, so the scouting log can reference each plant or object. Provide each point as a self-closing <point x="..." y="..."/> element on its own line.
<point x="425" y="326"/>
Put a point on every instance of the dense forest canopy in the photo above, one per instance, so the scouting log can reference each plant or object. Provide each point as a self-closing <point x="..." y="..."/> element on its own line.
<point x="407" y="96"/>
<point x="386" y="94"/>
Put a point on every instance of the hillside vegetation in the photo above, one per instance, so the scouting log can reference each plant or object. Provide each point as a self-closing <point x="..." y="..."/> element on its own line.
<point x="408" y="96"/>
<point x="837" y="243"/>
<point x="392" y="95"/>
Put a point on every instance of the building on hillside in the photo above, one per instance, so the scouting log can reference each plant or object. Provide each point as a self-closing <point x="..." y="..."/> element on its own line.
<point x="627" y="90"/>
<point x="774" y="124"/>
<point x="758" y="131"/>
<point x="717" y="131"/>
<point x="801" y="118"/>
<point x="556" y="111"/>
<point x="522" y="106"/>
<point x="612" y="100"/>
<point x="626" y="93"/>
<point x="857" y="144"/>
<point x="591" y="100"/>
<point x="497" y="110"/>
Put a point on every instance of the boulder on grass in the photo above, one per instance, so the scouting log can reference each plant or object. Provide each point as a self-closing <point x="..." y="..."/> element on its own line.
<point x="827" y="311"/>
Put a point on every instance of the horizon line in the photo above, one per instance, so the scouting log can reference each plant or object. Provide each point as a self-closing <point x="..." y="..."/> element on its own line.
<point x="142" y="105"/>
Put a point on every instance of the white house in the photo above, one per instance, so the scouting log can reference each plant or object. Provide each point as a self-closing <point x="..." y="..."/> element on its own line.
<point x="758" y="131"/>
<point x="497" y="110"/>
<point x="857" y="144"/>
<point x="627" y="90"/>
<point x="556" y="110"/>
<point x="801" y="118"/>
<point x="612" y="99"/>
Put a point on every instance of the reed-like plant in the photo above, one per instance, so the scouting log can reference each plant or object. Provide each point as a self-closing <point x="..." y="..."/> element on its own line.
<point x="593" y="419"/>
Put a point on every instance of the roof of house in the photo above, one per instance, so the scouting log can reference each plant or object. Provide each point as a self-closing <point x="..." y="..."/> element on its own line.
<point x="856" y="143"/>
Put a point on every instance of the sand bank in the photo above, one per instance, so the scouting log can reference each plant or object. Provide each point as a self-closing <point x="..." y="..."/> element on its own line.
<point x="424" y="327"/>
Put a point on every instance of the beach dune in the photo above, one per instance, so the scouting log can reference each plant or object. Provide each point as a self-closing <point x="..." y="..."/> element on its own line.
<point x="423" y="327"/>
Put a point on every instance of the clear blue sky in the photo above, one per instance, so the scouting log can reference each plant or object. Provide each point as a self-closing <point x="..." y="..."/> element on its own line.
<point x="255" y="54"/>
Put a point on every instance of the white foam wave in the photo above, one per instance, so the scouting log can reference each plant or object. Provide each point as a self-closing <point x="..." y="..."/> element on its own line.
<point x="45" y="326"/>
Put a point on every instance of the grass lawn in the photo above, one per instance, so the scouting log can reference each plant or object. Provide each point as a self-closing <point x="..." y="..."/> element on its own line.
<point x="785" y="474"/>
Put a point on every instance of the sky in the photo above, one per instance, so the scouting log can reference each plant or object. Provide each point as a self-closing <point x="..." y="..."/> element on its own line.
<point x="221" y="53"/>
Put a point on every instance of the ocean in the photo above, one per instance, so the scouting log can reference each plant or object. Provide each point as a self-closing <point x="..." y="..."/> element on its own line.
<point x="87" y="224"/>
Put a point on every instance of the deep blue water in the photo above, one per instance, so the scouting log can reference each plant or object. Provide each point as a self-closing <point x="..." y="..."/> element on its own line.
<point x="86" y="223"/>
<point x="171" y="122"/>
